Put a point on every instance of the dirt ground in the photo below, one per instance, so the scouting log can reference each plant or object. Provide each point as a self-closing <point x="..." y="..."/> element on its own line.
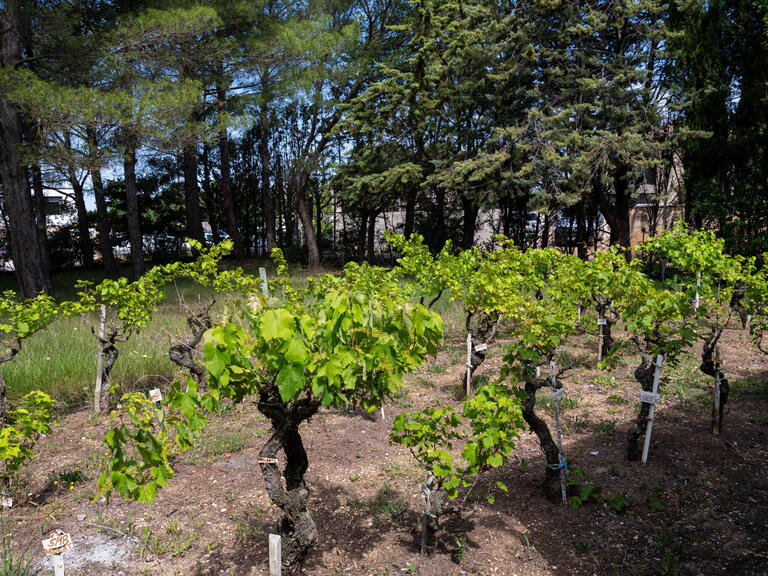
<point x="699" y="507"/>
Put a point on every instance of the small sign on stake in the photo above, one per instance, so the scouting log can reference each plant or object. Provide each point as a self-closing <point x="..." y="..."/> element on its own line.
<point x="156" y="396"/>
<point x="650" y="398"/>
<point x="6" y="501"/>
<point x="481" y="347"/>
<point x="602" y="321"/>
<point x="58" y="543"/>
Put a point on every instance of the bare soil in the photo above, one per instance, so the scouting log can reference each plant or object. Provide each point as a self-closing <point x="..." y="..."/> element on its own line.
<point x="699" y="507"/>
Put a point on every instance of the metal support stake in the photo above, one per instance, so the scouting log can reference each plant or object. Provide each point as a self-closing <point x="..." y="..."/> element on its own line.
<point x="556" y="395"/>
<point x="649" y="426"/>
<point x="99" y="363"/>
<point x="469" y="365"/>
<point x="264" y="285"/>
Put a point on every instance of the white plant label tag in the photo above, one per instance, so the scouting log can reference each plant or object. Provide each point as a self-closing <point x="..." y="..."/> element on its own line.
<point x="602" y="321"/>
<point x="58" y="542"/>
<point x="559" y="393"/>
<point x="6" y="502"/>
<point x="155" y="395"/>
<point x="650" y="398"/>
<point x="481" y="348"/>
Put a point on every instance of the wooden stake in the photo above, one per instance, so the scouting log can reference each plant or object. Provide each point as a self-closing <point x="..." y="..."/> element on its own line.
<point x="556" y="395"/>
<point x="99" y="363"/>
<point x="58" y="564"/>
<point x="264" y="285"/>
<point x="469" y="365"/>
<point x="716" y="395"/>
<point x="275" y="554"/>
<point x="655" y="394"/>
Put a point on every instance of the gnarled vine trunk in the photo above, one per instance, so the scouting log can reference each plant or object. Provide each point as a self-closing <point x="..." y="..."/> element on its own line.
<point x="109" y="352"/>
<point x="540" y="428"/>
<point x="739" y="291"/>
<point x="607" y="342"/>
<point x="710" y="368"/>
<point x="434" y="506"/>
<point x="14" y="347"/>
<point x="297" y="529"/>
<point x="483" y="333"/>
<point x="183" y="353"/>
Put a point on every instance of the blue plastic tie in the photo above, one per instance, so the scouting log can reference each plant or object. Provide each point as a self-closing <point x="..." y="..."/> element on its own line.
<point x="563" y="464"/>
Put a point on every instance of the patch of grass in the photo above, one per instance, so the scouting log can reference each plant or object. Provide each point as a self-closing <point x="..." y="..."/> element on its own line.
<point x="213" y="445"/>
<point x="66" y="478"/>
<point x="616" y="398"/>
<point x="605" y="381"/>
<point x="581" y="546"/>
<point x="453" y="316"/>
<point x="479" y="381"/>
<point x="607" y="427"/>
<point x="544" y="400"/>
<point x="752" y="386"/>
<point x="435" y="368"/>
<point x="384" y="504"/>
<point x="575" y="359"/>
<point x="402" y="469"/>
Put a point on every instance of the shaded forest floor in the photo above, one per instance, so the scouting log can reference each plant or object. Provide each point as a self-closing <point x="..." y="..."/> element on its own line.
<point x="700" y="507"/>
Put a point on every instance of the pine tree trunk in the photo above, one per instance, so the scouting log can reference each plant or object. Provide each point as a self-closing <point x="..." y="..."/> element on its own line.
<point x="581" y="230"/>
<point x="192" y="194"/>
<point x="28" y="262"/>
<point x="361" y="236"/>
<point x="105" y="242"/>
<point x="40" y="217"/>
<point x="313" y="252"/>
<point x="617" y="212"/>
<point x="102" y="215"/>
<point x="138" y="266"/>
<point x="410" y="213"/>
<point x="371" y="237"/>
<point x="469" y="224"/>
<point x="226" y="194"/>
<point x="209" y="197"/>
<point x="268" y="201"/>
<point x="319" y="215"/>
<point x="86" y="246"/>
